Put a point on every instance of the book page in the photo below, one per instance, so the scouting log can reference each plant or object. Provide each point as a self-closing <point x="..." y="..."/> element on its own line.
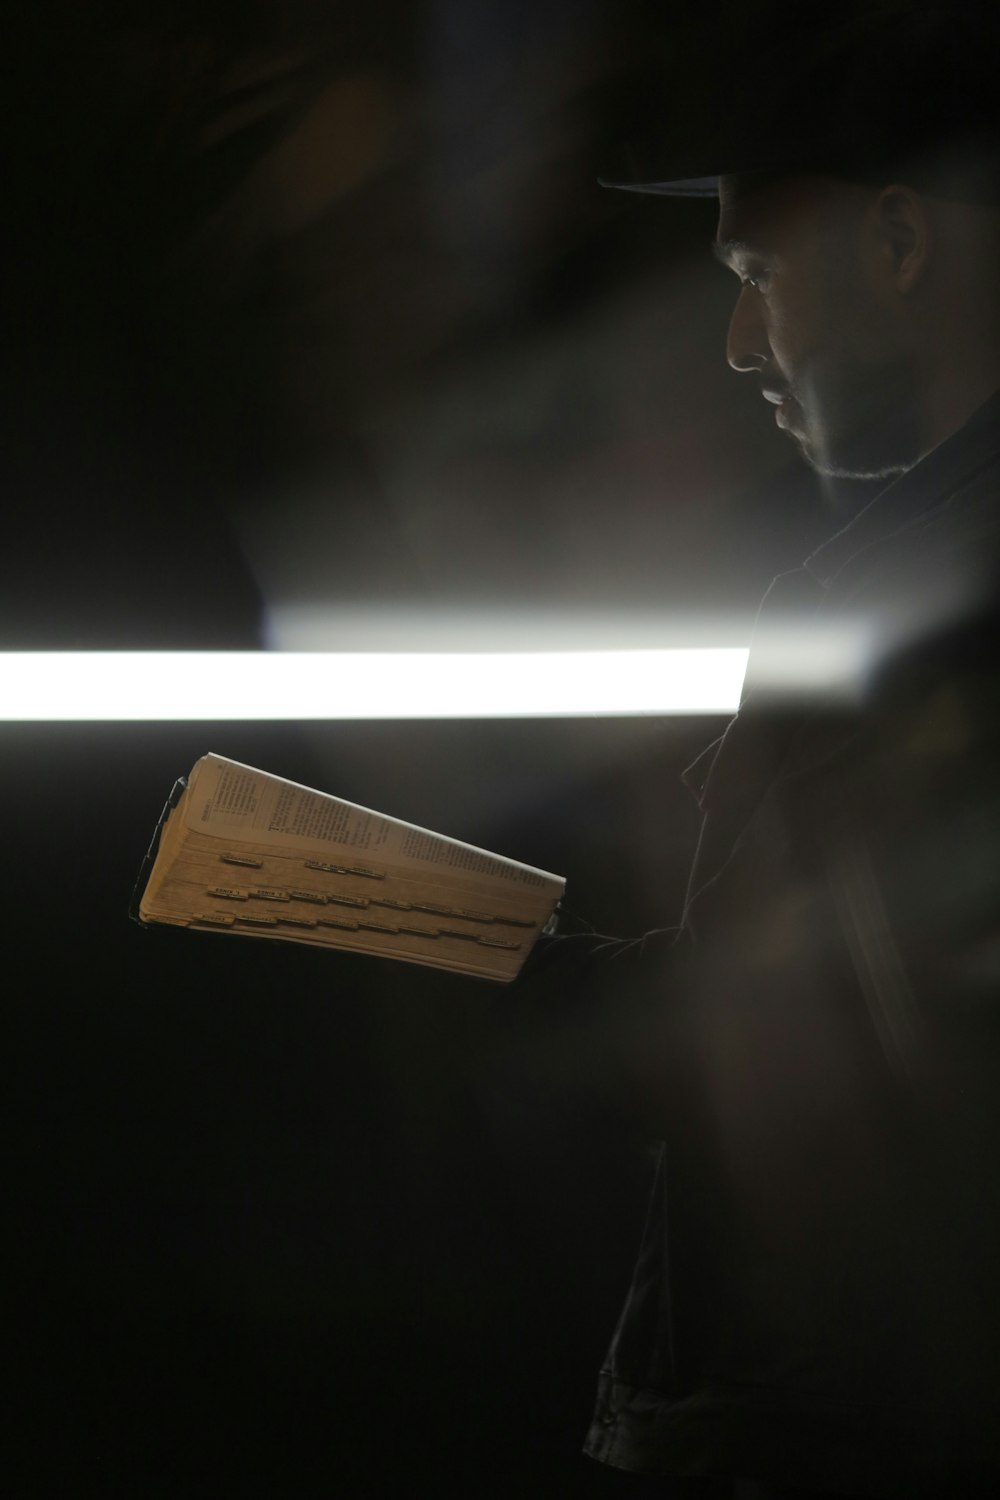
<point x="227" y="798"/>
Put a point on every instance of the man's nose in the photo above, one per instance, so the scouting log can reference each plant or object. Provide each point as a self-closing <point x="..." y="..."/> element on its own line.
<point x="747" y="346"/>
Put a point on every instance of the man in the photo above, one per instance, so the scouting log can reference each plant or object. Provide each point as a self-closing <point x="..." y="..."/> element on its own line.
<point x="814" y="1308"/>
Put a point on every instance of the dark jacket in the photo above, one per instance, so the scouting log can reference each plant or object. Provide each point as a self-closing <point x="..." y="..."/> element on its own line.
<point x="816" y="1295"/>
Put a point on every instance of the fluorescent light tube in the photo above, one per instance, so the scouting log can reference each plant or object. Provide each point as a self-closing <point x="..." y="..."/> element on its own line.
<point x="293" y="685"/>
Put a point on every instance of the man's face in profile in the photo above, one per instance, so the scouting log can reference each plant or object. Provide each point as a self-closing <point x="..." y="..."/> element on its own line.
<point x="814" y="323"/>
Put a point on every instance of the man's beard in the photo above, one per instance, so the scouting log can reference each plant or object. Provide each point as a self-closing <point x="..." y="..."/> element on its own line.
<point x="856" y="420"/>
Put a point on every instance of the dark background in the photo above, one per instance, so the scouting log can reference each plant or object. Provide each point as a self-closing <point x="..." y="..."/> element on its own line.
<point x="322" y="306"/>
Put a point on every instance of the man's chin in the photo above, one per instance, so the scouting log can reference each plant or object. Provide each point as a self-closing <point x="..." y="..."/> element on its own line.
<point x="847" y="459"/>
<point x="811" y="452"/>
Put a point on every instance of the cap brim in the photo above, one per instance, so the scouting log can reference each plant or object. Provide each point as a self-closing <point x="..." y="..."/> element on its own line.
<point x="682" y="187"/>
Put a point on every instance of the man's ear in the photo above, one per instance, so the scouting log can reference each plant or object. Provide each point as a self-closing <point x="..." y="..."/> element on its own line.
<point x="904" y="229"/>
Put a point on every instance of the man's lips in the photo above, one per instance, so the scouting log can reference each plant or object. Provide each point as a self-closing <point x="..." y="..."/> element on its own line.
<point x="782" y="402"/>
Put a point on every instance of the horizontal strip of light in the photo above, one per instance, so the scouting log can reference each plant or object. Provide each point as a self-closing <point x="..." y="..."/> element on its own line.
<point x="291" y="685"/>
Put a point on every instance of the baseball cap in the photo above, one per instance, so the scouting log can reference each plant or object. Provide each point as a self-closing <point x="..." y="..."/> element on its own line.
<point x="873" y="91"/>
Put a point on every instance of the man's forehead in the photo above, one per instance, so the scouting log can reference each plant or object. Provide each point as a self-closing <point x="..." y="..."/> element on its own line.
<point x="757" y="209"/>
<point x="743" y="230"/>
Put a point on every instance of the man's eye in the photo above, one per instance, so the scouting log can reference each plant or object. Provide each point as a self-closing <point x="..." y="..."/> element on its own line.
<point x="760" y="281"/>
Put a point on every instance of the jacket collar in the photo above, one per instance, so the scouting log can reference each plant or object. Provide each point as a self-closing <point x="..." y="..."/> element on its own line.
<point x="939" y="473"/>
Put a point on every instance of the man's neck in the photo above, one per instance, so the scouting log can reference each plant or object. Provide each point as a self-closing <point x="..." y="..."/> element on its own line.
<point x="957" y="390"/>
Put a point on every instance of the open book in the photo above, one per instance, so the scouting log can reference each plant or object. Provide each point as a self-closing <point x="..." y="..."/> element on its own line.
<point x="242" y="852"/>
